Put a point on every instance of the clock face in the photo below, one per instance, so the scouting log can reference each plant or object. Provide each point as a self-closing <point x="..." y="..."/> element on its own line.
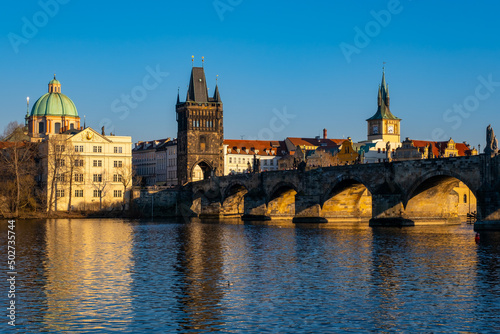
<point x="390" y="129"/>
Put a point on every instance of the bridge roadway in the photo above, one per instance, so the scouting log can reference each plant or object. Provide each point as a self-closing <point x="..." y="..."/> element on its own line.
<point x="397" y="193"/>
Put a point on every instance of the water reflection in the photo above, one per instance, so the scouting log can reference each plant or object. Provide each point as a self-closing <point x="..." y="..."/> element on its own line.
<point x="103" y="275"/>
<point x="87" y="274"/>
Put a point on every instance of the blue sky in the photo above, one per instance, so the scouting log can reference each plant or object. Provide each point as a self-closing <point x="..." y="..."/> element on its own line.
<point x="285" y="68"/>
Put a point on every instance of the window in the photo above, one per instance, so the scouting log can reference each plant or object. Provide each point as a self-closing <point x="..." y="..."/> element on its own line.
<point x="78" y="177"/>
<point x="41" y="128"/>
<point x="97" y="178"/>
<point x="57" y="127"/>
<point x="203" y="143"/>
<point x="97" y="193"/>
<point x="465" y="198"/>
<point x="117" y="163"/>
<point x="117" y="193"/>
<point x="60" y="193"/>
<point x="78" y="193"/>
<point x="97" y="149"/>
<point x="265" y="162"/>
<point x="79" y="148"/>
<point x="117" y="178"/>
<point x="78" y="163"/>
<point x="97" y="163"/>
<point x="230" y="160"/>
<point x="117" y="149"/>
<point x="379" y="150"/>
<point x="59" y="148"/>
<point x="60" y="163"/>
<point x="60" y="178"/>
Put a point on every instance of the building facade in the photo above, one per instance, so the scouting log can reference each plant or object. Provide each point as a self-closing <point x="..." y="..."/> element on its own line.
<point x="241" y="156"/>
<point x="155" y="162"/>
<point x="200" y="131"/>
<point x="424" y="149"/>
<point x="85" y="170"/>
<point x="81" y="168"/>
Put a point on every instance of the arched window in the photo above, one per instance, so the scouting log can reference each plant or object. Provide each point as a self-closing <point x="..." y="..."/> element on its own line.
<point x="465" y="198"/>
<point x="41" y="127"/>
<point x="57" y="127"/>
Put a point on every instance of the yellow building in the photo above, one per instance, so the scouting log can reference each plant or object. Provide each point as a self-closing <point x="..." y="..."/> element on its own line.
<point x="80" y="168"/>
<point x="347" y="155"/>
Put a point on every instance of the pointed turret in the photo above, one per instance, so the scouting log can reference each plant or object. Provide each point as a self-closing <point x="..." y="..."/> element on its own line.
<point x="379" y="99"/>
<point x="178" y="99"/>
<point x="197" y="90"/>
<point x="216" y="97"/>
<point x="383" y="111"/>
<point x="387" y="98"/>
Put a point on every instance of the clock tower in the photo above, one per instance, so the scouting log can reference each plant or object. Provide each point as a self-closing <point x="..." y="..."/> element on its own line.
<point x="384" y="125"/>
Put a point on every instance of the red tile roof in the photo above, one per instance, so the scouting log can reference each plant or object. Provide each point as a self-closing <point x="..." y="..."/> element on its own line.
<point x="264" y="147"/>
<point x="315" y="142"/>
<point x="440" y="146"/>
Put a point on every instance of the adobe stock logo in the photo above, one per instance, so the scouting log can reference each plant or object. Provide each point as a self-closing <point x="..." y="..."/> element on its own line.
<point x="461" y="111"/>
<point x="222" y="6"/>
<point x="277" y="124"/>
<point x="30" y="28"/>
<point x="372" y="29"/>
<point x="130" y="101"/>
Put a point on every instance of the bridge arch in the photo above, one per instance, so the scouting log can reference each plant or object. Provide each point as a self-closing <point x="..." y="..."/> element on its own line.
<point x="201" y="170"/>
<point x="440" y="195"/>
<point x="281" y="200"/>
<point x="233" y="199"/>
<point x="346" y="198"/>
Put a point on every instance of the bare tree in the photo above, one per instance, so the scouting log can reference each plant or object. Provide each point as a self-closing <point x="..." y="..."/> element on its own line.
<point x="74" y="166"/>
<point x="126" y="175"/>
<point x="54" y="153"/>
<point x="11" y="130"/>
<point x="100" y="183"/>
<point x="17" y="171"/>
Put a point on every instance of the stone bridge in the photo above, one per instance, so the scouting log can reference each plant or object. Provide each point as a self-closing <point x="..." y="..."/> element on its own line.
<point x="396" y="193"/>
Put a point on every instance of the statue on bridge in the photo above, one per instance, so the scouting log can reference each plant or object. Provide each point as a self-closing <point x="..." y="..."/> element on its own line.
<point x="491" y="142"/>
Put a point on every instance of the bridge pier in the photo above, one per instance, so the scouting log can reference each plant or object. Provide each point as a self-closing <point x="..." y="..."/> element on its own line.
<point x="308" y="209"/>
<point x="488" y="211"/>
<point x="387" y="210"/>
<point x="255" y="208"/>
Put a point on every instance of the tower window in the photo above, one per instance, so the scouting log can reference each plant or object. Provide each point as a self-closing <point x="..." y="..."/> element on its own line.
<point x="203" y="143"/>
<point x="41" y="127"/>
<point x="57" y="127"/>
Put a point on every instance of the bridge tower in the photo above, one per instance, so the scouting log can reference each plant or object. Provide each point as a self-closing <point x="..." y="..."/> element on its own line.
<point x="384" y="125"/>
<point x="200" y="131"/>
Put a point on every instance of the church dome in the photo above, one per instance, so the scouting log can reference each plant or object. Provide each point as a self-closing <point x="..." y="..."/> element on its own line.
<point x="54" y="103"/>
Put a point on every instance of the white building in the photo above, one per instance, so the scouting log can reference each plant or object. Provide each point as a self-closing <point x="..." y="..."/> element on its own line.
<point x="239" y="155"/>
<point x="155" y="162"/>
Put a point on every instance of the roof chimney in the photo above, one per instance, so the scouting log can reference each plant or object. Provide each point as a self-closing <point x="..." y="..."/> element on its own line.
<point x="324" y="134"/>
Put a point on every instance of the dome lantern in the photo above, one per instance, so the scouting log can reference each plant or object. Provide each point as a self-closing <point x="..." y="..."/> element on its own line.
<point x="54" y="85"/>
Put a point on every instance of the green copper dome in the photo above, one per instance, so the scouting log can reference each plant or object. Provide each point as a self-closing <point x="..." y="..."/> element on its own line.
<point x="54" y="103"/>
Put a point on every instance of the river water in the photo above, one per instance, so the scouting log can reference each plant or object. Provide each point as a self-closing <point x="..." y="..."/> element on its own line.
<point x="100" y="276"/>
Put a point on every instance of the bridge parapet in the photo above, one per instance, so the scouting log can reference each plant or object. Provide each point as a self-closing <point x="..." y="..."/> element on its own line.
<point x="398" y="192"/>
